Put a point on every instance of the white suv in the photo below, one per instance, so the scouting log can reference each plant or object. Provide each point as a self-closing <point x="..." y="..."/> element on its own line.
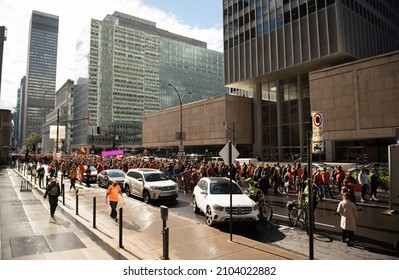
<point x="149" y="184"/>
<point x="212" y="196"/>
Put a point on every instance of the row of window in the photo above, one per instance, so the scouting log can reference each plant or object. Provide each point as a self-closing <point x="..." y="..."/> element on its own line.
<point x="269" y="24"/>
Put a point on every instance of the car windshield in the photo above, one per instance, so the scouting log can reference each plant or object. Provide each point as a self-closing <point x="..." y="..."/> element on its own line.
<point x="224" y="188"/>
<point x="116" y="174"/>
<point x="154" y="177"/>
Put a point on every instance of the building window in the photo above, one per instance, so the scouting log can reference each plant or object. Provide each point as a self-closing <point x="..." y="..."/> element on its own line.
<point x="303" y="10"/>
<point x="287" y="17"/>
<point x="295" y="13"/>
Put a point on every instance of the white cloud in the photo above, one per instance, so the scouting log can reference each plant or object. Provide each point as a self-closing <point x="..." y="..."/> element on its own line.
<point x="74" y="15"/>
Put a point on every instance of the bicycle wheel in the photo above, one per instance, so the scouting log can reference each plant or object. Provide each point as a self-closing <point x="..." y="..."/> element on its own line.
<point x="265" y="212"/>
<point x="293" y="216"/>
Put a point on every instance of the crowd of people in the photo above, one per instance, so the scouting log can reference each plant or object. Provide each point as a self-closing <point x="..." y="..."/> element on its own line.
<point x="272" y="178"/>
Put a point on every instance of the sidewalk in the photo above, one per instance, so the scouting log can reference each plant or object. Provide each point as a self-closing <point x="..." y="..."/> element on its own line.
<point x="28" y="232"/>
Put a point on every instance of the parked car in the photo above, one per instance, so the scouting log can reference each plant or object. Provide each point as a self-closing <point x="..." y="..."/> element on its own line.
<point x="319" y="166"/>
<point x="241" y="161"/>
<point x="149" y="184"/>
<point x="211" y="196"/>
<point x="93" y="174"/>
<point x="105" y="177"/>
<point x="369" y="166"/>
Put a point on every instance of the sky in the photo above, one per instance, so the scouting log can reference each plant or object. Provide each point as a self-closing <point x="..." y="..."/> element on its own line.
<point x="198" y="19"/>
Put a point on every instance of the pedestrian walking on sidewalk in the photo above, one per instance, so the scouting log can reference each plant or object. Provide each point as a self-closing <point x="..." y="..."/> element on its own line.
<point x="364" y="182"/>
<point x="40" y="175"/>
<point x="53" y="190"/>
<point x="73" y="174"/>
<point x="112" y="197"/>
<point x="374" y="181"/>
<point x="347" y="210"/>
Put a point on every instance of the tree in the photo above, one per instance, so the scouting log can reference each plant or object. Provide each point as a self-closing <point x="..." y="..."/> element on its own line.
<point x="32" y="140"/>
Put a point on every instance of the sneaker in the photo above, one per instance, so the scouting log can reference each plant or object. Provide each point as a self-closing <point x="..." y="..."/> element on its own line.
<point x="362" y="200"/>
<point x="375" y="199"/>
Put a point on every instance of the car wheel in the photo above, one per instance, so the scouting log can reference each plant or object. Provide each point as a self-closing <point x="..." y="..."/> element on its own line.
<point x="146" y="196"/>
<point x="209" y="217"/>
<point x="195" y="206"/>
<point x="127" y="190"/>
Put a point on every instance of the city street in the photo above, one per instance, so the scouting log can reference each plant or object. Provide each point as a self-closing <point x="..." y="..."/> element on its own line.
<point x="374" y="238"/>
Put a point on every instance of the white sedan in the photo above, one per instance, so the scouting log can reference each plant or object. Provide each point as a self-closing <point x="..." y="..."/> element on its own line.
<point x="212" y="196"/>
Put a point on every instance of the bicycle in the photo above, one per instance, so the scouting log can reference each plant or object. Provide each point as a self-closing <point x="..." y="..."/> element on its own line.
<point x="265" y="210"/>
<point x="298" y="213"/>
<point x="257" y="195"/>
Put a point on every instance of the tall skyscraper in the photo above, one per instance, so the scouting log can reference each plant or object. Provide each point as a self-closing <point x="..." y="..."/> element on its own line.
<point x="130" y="65"/>
<point x="270" y="46"/>
<point x="41" y="72"/>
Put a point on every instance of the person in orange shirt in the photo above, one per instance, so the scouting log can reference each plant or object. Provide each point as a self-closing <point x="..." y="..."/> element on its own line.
<point x="112" y="197"/>
<point x="80" y="173"/>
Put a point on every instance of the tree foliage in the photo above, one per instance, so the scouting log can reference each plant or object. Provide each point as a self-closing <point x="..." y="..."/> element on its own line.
<point x="32" y="140"/>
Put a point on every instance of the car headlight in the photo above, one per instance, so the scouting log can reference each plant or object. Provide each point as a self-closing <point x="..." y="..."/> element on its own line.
<point x="217" y="207"/>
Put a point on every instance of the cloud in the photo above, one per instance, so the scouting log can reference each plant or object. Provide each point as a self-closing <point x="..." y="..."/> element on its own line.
<point x="74" y="16"/>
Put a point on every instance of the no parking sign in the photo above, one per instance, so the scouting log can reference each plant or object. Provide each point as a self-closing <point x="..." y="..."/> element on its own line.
<point x="317" y="133"/>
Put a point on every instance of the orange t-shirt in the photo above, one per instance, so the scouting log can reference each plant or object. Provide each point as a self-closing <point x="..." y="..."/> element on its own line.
<point x="113" y="192"/>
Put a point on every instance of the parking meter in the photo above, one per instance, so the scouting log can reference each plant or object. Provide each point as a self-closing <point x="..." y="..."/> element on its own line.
<point x="164" y="213"/>
<point x="165" y="232"/>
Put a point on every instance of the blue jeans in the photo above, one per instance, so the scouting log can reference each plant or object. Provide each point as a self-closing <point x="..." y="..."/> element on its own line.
<point x="364" y="190"/>
<point x="320" y="189"/>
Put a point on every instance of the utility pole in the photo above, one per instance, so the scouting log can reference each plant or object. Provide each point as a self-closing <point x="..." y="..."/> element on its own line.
<point x="58" y="130"/>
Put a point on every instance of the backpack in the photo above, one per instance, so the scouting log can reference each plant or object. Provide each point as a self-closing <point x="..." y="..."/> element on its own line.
<point x="53" y="190"/>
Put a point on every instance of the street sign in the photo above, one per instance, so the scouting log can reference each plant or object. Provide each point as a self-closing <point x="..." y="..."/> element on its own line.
<point x="318" y="147"/>
<point x="224" y="153"/>
<point x="317" y="132"/>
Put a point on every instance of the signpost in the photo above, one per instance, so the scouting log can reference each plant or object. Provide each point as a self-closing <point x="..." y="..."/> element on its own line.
<point x="229" y="154"/>
<point x="318" y="133"/>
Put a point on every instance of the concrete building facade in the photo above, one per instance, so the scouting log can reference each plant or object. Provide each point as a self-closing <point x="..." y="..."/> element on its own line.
<point x="360" y="105"/>
<point x="61" y="116"/>
<point x="5" y="133"/>
<point x="207" y="125"/>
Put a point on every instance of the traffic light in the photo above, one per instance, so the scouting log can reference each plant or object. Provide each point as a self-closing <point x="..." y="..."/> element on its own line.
<point x="98" y="130"/>
<point x="106" y="133"/>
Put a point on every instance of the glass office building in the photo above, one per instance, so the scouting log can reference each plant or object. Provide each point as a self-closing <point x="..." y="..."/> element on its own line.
<point x="270" y="46"/>
<point x="41" y="72"/>
<point x="131" y="63"/>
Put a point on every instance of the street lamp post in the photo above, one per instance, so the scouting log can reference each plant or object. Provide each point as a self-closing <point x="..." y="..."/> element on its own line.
<point x="181" y="98"/>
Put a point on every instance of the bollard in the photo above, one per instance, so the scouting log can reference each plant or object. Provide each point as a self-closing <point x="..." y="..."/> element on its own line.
<point x="77" y="203"/>
<point x="94" y="212"/>
<point x="120" y="226"/>
<point x="63" y="193"/>
<point x="165" y="232"/>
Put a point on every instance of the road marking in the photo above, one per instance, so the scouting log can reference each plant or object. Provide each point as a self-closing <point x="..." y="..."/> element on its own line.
<point x="317" y="223"/>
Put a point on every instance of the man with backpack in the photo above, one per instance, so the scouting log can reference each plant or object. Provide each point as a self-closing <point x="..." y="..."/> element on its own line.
<point x="53" y="191"/>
